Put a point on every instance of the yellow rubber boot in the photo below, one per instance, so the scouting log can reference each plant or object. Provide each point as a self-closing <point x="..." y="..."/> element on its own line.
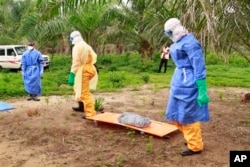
<point x="86" y="96"/>
<point x="192" y="134"/>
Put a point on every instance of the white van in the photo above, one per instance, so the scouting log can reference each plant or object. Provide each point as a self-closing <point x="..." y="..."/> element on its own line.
<point x="10" y="56"/>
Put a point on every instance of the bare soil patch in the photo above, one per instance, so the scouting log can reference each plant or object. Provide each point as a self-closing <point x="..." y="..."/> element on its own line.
<point x="48" y="133"/>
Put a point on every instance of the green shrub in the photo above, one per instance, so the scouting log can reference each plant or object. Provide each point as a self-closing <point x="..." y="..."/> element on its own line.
<point x="116" y="79"/>
<point x="145" y="78"/>
<point x="99" y="104"/>
<point x="118" y="71"/>
<point x="112" y="68"/>
<point x="104" y="60"/>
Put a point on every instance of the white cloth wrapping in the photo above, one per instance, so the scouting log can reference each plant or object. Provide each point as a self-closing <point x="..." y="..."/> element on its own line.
<point x="134" y="120"/>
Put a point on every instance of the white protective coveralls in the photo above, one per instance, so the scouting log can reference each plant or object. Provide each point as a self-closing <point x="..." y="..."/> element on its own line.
<point x="86" y="78"/>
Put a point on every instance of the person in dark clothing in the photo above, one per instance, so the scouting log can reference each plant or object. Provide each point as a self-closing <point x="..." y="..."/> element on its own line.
<point x="164" y="57"/>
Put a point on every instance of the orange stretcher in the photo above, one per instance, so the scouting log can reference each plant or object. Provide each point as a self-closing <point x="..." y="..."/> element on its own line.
<point x="156" y="128"/>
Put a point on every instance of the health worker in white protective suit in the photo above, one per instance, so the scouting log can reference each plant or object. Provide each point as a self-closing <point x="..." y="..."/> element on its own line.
<point x="83" y="74"/>
<point x="188" y="98"/>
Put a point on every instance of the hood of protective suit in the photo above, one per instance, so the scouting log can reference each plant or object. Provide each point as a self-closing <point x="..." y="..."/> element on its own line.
<point x="75" y="37"/>
<point x="174" y="29"/>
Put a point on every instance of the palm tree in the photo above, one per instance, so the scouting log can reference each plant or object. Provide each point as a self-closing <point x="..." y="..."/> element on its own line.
<point x="90" y="21"/>
<point x="136" y="25"/>
<point x="11" y="12"/>
<point x="216" y="23"/>
<point x="51" y="22"/>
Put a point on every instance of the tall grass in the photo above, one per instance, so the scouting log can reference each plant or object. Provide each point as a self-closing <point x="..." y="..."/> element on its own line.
<point x="128" y="70"/>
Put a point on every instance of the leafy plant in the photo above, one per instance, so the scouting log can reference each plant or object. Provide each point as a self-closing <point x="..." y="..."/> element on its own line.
<point x="221" y="94"/>
<point x="149" y="147"/>
<point x="99" y="104"/>
<point x="145" y="78"/>
<point x="121" y="160"/>
<point x="131" y="134"/>
<point x="117" y="79"/>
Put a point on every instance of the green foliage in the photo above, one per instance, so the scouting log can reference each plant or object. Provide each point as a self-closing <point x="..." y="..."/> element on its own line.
<point x="232" y="59"/>
<point x="53" y="82"/>
<point x="131" y="134"/>
<point x="146" y="66"/>
<point x="128" y="62"/>
<point x="99" y="104"/>
<point x="156" y="57"/>
<point x="246" y="122"/>
<point x="221" y="95"/>
<point x="104" y="60"/>
<point x="127" y="72"/>
<point x="213" y="58"/>
<point x="149" y="147"/>
<point x="11" y="84"/>
<point x="228" y="75"/>
<point x="116" y="79"/>
<point x="145" y="78"/>
<point x="112" y="68"/>
<point x="121" y="160"/>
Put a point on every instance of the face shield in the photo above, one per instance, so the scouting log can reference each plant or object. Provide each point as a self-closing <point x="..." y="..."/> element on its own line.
<point x="168" y="33"/>
<point x="75" y="37"/>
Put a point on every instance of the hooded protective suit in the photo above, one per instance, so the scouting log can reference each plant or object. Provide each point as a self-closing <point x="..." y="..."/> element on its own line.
<point x="188" y="99"/>
<point x="83" y="74"/>
<point x="32" y="70"/>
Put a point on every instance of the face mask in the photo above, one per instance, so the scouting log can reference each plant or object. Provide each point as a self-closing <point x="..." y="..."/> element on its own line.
<point x="30" y="47"/>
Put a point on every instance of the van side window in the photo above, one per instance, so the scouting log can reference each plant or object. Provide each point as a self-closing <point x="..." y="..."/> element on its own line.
<point x="2" y="52"/>
<point x="10" y="52"/>
<point x="20" y="50"/>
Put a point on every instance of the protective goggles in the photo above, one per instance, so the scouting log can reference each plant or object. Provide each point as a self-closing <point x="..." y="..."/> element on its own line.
<point x="168" y="33"/>
<point x="71" y="39"/>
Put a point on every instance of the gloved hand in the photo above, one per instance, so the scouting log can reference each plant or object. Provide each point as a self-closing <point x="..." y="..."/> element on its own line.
<point x="41" y="74"/>
<point x="71" y="79"/>
<point x="203" y="97"/>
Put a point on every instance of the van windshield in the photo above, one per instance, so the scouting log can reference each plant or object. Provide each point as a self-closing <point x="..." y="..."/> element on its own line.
<point x="20" y="49"/>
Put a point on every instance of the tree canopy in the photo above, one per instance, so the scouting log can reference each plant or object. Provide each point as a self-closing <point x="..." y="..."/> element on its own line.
<point x="133" y="25"/>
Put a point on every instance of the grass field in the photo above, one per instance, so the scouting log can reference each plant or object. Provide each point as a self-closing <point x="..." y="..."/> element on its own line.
<point x="116" y="72"/>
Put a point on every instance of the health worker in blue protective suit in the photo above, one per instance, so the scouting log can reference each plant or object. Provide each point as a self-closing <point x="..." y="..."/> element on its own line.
<point x="188" y="98"/>
<point x="32" y="71"/>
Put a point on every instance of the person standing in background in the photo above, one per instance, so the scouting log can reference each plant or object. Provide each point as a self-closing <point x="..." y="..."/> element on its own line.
<point x="83" y="74"/>
<point x="164" y="57"/>
<point x="32" y="66"/>
<point x="188" y="97"/>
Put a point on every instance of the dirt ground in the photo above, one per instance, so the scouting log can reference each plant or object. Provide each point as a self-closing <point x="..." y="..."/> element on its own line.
<point x="49" y="134"/>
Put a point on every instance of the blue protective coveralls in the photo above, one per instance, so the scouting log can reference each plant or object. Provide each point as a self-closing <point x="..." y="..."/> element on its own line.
<point x="190" y="66"/>
<point x="182" y="107"/>
<point x="32" y="69"/>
